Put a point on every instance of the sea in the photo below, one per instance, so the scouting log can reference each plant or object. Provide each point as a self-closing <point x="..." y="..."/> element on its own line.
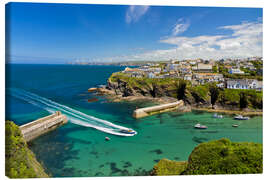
<point x="79" y="148"/>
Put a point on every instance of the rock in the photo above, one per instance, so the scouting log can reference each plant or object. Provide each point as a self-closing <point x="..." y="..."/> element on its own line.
<point x="185" y="108"/>
<point x="92" y="89"/>
<point x="92" y="100"/>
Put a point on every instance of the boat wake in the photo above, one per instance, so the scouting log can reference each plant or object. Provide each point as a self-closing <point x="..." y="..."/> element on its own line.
<point x="74" y="116"/>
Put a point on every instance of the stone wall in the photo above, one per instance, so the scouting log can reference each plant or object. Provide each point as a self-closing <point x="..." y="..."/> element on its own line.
<point x="41" y="126"/>
<point x="142" y="112"/>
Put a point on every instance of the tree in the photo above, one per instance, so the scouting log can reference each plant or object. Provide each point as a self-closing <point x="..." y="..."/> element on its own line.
<point x="214" y="93"/>
<point x="243" y="100"/>
<point x="181" y="89"/>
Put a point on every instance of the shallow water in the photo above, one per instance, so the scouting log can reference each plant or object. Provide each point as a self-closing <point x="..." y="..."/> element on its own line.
<point x="74" y="150"/>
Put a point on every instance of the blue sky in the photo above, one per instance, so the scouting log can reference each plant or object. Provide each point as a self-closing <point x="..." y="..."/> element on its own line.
<point x="58" y="33"/>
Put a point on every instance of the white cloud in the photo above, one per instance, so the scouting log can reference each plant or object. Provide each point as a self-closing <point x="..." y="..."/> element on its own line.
<point x="180" y="27"/>
<point x="134" y="13"/>
<point x="245" y="40"/>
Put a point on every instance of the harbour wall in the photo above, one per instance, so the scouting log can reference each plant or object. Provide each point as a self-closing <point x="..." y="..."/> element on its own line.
<point x="43" y="125"/>
<point x="143" y="112"/>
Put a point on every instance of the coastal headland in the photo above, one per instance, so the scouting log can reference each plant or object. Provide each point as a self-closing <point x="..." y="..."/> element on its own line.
<point x="202" y="97"/>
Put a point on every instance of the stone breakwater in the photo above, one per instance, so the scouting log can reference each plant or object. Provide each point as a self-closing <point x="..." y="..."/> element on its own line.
<point x="43" y="125"/>
<point x="143" y="112"/>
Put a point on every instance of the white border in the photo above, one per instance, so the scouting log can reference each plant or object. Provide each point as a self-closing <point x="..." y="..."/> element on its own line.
<point x="215" y="3"/>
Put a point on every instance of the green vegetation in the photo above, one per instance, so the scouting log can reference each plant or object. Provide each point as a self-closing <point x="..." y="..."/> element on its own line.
<point x="200" y="92"/>
<point x="169" y="167"/>
<point x="243" y="76"/>
<point x="133" y="81"/>
<point x="243" y="98"/>
<point x="20" y="161"/>
<point x="180" y="86"/>
<point x="248" y="73"/>
<point x="214" y="93"/>
<point x="215" y="69"/>
<point x="258" y="64"/>
<point x="216" y="157"/>
<point x="225" y="157"/>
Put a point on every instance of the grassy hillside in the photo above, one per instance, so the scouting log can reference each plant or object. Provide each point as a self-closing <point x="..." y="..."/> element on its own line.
<point x="216" y="157"/>
<point x="20" y="160"/>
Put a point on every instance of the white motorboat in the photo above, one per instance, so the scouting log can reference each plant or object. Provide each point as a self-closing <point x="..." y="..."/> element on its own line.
<point x="199" y="126"/>
<point x="127" y="131"/>
<point x="240" y="117"/>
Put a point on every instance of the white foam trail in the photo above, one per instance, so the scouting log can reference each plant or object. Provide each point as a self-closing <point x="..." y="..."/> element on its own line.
<point x="73" y="115"/>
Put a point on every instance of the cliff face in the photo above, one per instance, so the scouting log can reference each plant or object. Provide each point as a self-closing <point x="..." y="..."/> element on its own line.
<point x="155" y="88"/>
<point x="20" y="160"/>
<point x="125" y="89"/>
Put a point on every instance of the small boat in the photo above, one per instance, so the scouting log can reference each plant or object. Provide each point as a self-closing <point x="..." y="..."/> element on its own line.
<point x="127" y="131"/>
<point x="107" y="138"/>
<point x="235" y="125"/>
<point x="240" y="117"/>
<point x="220" y="116"/>
<point x="217" y="116"/>
<point x="199" y="126"/>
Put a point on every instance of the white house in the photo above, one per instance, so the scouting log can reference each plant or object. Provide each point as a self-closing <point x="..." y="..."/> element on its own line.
<point x="236" y="71"/>
<point x="151" y="75"/>
<point x="242" y="84"/>
<point x="188" y="77"/>
<point x="202" y="67"/>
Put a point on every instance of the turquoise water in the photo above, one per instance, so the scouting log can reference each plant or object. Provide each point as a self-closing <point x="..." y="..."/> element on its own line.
<point x="75" y="150"/>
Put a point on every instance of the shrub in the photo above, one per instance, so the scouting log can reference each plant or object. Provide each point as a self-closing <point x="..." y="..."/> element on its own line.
<point x="225" y="157"/>
<point x="168" y="167"/>
<point x="20" y="161"/>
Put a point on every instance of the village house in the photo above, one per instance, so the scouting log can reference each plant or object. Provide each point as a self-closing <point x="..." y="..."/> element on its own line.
<point x="133" y="72"/>
<point x="188" y="77"/>
<point x="151" y="75"/>
<point x="243" y="84"/>
<point x="208" y="77"/>
<point x="172" y="67"/>
<point x="220" y="85"/>
<point x="236" y="71"/>
<point x="137" y="74"/>
<point x="200" y="67"/>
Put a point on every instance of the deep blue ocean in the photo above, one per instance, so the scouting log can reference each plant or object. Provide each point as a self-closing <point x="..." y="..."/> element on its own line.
<point x="79" y="150"/>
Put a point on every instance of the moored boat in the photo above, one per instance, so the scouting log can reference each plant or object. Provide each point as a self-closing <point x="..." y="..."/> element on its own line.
<point x="240" y="117"/>
<point x="235" y="125"/>
<point x="217" y="116"/>
<point x="107" y="138"/>
<point x="199" y="126"/>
